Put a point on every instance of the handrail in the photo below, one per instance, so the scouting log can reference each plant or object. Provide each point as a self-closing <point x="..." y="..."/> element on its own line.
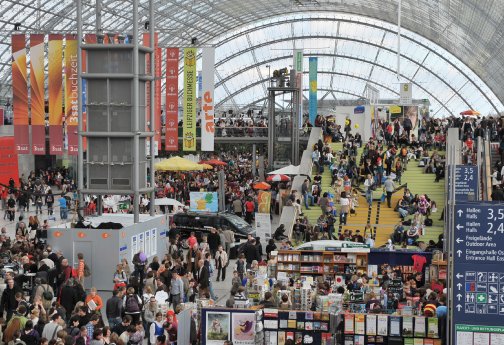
<point x="487" y="174"/>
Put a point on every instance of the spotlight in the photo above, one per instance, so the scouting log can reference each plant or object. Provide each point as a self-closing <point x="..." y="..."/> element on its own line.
<point x="17" y="26"/>
<point x="194" y="40"/>
<point x="146" y="25"/>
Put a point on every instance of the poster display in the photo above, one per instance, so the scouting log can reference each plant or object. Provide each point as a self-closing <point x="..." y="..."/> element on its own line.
<point x="371" y="324"/>
<point x="189" y="121"/>
<point x="405" y="93"/>
<point x="141" y="242"/>
<point x="207" y="100"/>
<point x="20" y="94"/>
<point x="134" y="246"/>
<point x="312" y="101"/>
<point x="171" y="111"/>
<point x="218" y="326"/>
<point x="263" y="227"/>
<point x="264" y="202"/>
<point x="37" y="94"/>
<point x="382" y="328"/>
<point x="244" y="325"/>
<point x="359" y="324"/>
<point x="8" y="160"/>
<point x="147" y="243"/>
<point x="55" y="82"/>
<point x="204" y="202"/>
<point x="153" y="238"/>
<point x="71" y="94"/>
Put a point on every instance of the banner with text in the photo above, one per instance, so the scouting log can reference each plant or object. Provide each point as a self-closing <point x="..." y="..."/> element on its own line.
<point x="8" y="160"/>
<point x="313" y="66"/>
<point x="55" y="94"/>
<point x="171" y="118"/>
<point x="71" y="94"/>
<point x="20" y="94"/>
<point x="207" y="100"/>
<point x="37" y="90"/>
<point x="298" y="67"/>
<point x="189" y="133"/>
<point x="146" y="42"/>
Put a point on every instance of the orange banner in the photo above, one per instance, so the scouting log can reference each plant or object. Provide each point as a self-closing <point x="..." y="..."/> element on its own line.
<point x="171" y="119"/>
<point x="55" y="94"/>
<point x="71" y="94"/>
<point x="20" y="94"/>
<point x="263" y="202"/>
<point x="37" y="96"/>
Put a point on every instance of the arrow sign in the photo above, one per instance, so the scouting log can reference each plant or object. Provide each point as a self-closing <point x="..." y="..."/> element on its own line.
<point x="459" y="276"/>
<point x="458" y="307"/>
<point x="459" y="296"/>
<point x="460" y="213"/>
<point x="459" y="252"/>
<point x="459" y="226"/>
<point x="459" y="286"/>
<point x="459" y="240"/>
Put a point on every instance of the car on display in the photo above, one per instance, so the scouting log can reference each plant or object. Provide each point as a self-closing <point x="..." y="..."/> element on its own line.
<point x="336" y="246"/>
<point x="202" y="222"/>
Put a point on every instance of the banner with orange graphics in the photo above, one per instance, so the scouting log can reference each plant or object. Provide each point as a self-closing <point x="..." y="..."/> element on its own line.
<point x="71" y="94"/>
<point x="171" y="119"/>
<point x="55" y="84"/>
<point x="263" y="202"/>
<point x="20" y="94"/>
<point x="189" y="131"/>
<point x="37" y="95"/>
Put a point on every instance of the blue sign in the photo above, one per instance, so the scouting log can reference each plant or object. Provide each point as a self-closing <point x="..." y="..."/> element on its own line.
<point x="466" y="182"/>
<point x="478" y="265"/>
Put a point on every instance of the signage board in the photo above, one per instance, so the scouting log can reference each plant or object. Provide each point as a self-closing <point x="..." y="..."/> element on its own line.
<point x="466" y="182"/>
<point x="478" y="270"/>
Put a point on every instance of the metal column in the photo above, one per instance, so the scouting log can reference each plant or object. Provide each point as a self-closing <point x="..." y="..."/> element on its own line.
<point x="152" y="107"/>
<point x="80" y="151"/>
<point x="254" y="159"/>
<point x="136" y="114"/>
<point x="99" y="29"/>
<point x="271" y="127"/>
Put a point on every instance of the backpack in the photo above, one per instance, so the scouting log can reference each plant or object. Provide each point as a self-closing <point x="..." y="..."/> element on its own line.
<point x="87" y="271"/>
<point x="46" y="294"/>
<point x="132" y="304"/>
<point x="428" y="222"/>
<point x="49" y="199"/>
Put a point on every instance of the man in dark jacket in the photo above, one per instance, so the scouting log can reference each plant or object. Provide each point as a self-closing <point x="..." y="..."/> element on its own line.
<point x="114" y="309"/>
<point x="203" y="277"/>
<point x="213" y="241"/>
<point x="251" y="253"/>
<point x="8" y="301"/>
<point x="68" y="298"/>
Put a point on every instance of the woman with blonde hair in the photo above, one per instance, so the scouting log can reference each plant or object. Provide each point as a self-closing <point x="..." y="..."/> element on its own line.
<point x="97" y="300"/>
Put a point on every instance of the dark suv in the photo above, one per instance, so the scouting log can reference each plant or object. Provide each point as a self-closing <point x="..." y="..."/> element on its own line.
<point x="201" y="222"/>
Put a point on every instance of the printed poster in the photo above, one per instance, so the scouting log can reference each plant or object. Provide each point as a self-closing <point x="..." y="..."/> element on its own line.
<point x="359" y="324"/>
<point x="55" y="84"/>
<point x="382" y="325"/>
<point x="203" y="202"/>
<point x="207" y="99"/>
<point x="189" y="121"/>
<point x="171" y="88"/>
<point x="134" y="246"/>
<point x="217" y="328"/>
<point x="349" y="324"/>
<point x="37" y="93"/>
<point x="71" y="118"/>
<point x="153" y="238"/>
<point x="141" y="242"/>
<point x="395" y="326"/>
<point x="496" y="339"/>
<point x="432" y="327"/>
<point x="407" y="326"/>
<point x="482" y="338"/>
<point x="371" y="324"/>
<point x="419" y="326"/>
<point x="20" y="93"/>
<point x="147" y="243"/>
<point x="264" y="202"/>
<point x="243" y="328"/>
<point x="465" y="338"/>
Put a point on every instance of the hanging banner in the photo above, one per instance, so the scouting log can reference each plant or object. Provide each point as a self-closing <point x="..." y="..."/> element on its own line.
<point x="405" y="94"/>
<point x="37" y="94"/>
<point x="313" y="65"/>
<point x="146" y="43"/>
<point x="8" y="160"/>
<point x="20" y="94"/>
<point x="264" y="202"/>
<point x="55" y="94"/>
<point x="189" y="134"/>
<point x="171" y="112"/>
<point x="298" y="67"/>
<point x="207" y="100"/>
<point x="157" y="96"/>
<point x="71" y="94"/>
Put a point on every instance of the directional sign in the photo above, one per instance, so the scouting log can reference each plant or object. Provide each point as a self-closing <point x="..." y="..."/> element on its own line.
<point x="466" y="182"/>
<point x="478" y="265"/>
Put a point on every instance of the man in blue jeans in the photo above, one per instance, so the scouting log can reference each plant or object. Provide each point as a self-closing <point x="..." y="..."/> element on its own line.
<point x="63" y="207"/>
<point x="306" y="192"/>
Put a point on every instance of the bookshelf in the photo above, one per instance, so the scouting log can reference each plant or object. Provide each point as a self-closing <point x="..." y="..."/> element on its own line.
<point x="312" y="262"/>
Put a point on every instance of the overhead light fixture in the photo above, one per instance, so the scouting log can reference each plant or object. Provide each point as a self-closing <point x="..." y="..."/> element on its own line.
<point x="146" y="25"/>
<point x="194" y="41"/>
<point x="17" y="26"/>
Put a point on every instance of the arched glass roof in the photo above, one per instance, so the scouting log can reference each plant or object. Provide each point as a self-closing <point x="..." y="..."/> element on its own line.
<point x="450" y="50"/>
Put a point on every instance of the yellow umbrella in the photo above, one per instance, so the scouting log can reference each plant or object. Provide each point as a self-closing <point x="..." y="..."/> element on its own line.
<point x="177" y="164"/>
<point x="206" y="166"/>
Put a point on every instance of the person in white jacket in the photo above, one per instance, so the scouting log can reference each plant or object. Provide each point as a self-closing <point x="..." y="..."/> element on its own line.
<point x="221" y="261"/>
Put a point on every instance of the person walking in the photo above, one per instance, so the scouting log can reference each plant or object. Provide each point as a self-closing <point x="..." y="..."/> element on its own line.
<point x="176" y="290"/>
<point x="370" y="186"/>
<point x="63" y="207"/>
<point x="389" y="188"/>
<point x="221" y="261"/>
<point x="230" y="239"/>
<point x="249" y="210"/>
<point x="306" y="192"/>
<point x="114" y="307"/>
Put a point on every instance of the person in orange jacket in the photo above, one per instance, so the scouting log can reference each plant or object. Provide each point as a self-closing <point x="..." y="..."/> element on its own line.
<point x="93" y="296"/>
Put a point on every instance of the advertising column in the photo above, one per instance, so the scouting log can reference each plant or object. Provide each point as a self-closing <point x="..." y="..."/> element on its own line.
<point x="37" y="94"/>
<point x="207" y="100"/>
<point x="71" y="94"/>
<point x="20" y="94"/>
<point x="189" y="134"/>
<point x="55" y="94"/>
<point x="171" y="119"/>
<point x="313" y="65"/>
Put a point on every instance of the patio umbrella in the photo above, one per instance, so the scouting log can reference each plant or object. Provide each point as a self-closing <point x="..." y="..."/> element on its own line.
<point x="470" y="112"/>
<point x="262" y="186"/>
<point x="278" y="178"/>
<point x="206" y="166"/>
<point x="214" y="162"/>
<point x="177" y="164"/>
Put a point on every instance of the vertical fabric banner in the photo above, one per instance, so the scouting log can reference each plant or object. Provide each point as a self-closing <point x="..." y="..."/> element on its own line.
<point x="8" y="160"/>
<point x="37" y="94"/>
<point x="313" y="65"/>
<point x="298" y="67"/>
<point x="264" y="202"/>
<point x="55" y="94"/>
<point x="20" y="94"/>
<point x="189" y="134"/>
<point x="171" y="119"/>
<point x="157" y="97"/>
<point x="207" y="100"/>
<point x="71" y="94"/>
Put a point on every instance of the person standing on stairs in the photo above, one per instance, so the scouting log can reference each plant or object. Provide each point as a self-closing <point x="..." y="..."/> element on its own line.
<point x="345" y="208"/>
<point x="389" y="188"/>
<point x="370" y="186"/>
<point x="306" y="192"/>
